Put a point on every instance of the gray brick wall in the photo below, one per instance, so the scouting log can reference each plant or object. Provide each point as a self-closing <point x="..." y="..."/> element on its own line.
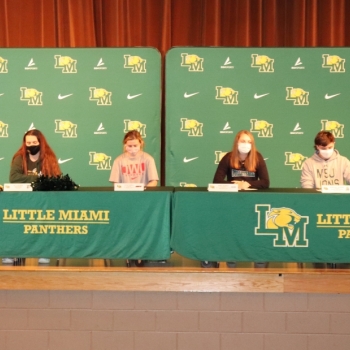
<point x="96" y="320"/>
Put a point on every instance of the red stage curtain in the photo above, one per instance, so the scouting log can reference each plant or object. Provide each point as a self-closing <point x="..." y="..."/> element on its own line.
<point x="166" y="23"/>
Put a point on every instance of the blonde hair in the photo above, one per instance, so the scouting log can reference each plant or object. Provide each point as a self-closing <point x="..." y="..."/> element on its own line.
<point x="251" y="162"/>
<point x="133" y="135"/>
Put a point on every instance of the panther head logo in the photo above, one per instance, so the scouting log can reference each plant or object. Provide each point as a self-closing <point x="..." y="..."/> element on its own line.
<point x="282" y="217"/>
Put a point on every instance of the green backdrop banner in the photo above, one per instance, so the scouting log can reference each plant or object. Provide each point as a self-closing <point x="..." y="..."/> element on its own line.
<point x="284" y="96"/>
<point x="261" y="226"/>
<point x="84" y="101"/>
<point x="96" y="224"/>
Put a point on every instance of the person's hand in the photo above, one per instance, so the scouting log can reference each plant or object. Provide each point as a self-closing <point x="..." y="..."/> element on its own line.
<point x="242" y="185"/>
<point x="245" y="185"/>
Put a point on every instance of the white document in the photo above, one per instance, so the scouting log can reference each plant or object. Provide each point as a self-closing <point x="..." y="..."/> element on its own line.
<point x="18" y="187"/>
<point x="335" y="189"/>
<point x="129" y="187"/>
<point x="222" y="187"/>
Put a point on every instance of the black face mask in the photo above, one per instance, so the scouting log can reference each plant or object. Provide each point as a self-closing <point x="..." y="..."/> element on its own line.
<point x="33" y="149"/>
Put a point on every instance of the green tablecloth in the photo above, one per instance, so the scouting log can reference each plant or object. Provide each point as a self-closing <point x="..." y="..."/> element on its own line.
<point x="270" y="225"/>
<point x="86" y="224"/>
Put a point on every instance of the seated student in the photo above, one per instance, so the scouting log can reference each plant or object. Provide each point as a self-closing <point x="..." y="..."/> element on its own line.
<point x="326" y="166"/>
<point x="134" y="166"/>
<point x="34" y="157"/>
<point x="244" y="165"/>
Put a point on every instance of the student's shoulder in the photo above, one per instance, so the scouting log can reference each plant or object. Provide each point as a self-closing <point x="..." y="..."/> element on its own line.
<point x="260" y="156"/>
<point x="312" y="161"/>
<point x="119" y="158"/>
<point x="343" y="159"/>
<point x="17" y="159"/>
<point x="147" y="156"/>
<point x="227" y="156"/>
<point x="226" y="159"/>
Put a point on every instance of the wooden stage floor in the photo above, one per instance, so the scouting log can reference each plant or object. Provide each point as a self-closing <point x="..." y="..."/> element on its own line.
<point x="177" y="274"/>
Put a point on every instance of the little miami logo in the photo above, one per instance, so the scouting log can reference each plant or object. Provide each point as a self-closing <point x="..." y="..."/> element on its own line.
<point x="192" y="127"/>
<point x="101" y="96"/>
<point x="334" y="63"/>
<point x="135" y="63"/>
<point x="334" y="127"/>
<point x="51" y="221"/>
<point x="299" y="96"/>
<point x="295" y="160"/>
<point x="66" y="128"/>
<point x="3" y="65"/>
<point x="100" y="160"/>
<point x="227" y="95"/>
<point x="130" y="125"/>
<point x="194" y="63"/>
<point x="261" y="127"/>
<point x="3" y="129"/>
<point x="32" y="96"/>
<point x="263" y="62"/>
<point x="66" y="64"/>
<point x="285" y="224"/>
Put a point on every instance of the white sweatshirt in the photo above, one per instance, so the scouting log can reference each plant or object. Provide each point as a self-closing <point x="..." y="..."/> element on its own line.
<point x="317" y="171"/>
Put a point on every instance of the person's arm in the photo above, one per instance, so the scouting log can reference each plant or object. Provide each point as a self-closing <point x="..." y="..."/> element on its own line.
<point x="115" y="173"/>
<point x="346" y="174"/>
<point x="262" y="175"/>
<point x="17" y="175"/>
<point x="221" y="171"/>
<point x="307" y="179"/>
<point x="152" y="183"/>
<point x="152" y="174"/>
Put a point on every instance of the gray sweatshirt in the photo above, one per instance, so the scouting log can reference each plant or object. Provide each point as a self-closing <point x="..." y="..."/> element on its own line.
<point x="317" y="171"/>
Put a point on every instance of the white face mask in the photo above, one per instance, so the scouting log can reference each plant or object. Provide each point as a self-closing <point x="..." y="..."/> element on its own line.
<point x="326" y="153"/>
<point x="132" y="150"/>
<point x="244" y="147"/>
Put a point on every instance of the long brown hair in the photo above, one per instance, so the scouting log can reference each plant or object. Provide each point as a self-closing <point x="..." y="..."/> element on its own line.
<point x="251" y="162"/>
<point x="49" y="163"/>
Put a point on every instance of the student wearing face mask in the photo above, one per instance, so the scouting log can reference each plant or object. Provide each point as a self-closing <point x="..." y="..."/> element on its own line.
<point x="244" y="165"/>
<point x="34" y="158"/>
<point x="326" y="166"/>
<point x="134" y="165"/>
